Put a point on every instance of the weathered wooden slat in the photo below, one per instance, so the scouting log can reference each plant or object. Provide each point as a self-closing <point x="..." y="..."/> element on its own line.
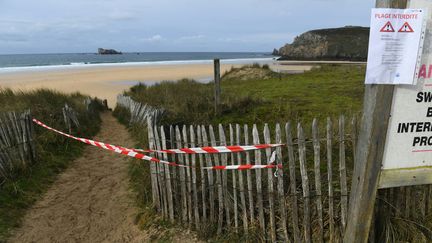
<point x="259" y="180"/>
<point x="24" y="136"/>
<point x="188" y="176"/>
<point x="293" y="183"/>
<point x="249" y="179"/>
<point x="161" y="176"/>
<point x="184" y="207"/>
<point x="204" y="201"/>
<point x="32" y="135"/>
<point x="17" y="138"/>
<point x="317" y="171"/>
<point x="407" y="202"/>
<point x="270" y="185"/>
<point x="428" y="201"/>
<point x="241" y="182"/>
<point x="224" y="162"/>
<point x="305" y="185"/>
<point x="234" y="180"/>
<point x="210" y="177"/>
<point x="218" y="182"/>
<point x="399" y="200"/>
<point x="168" y="178"/>
<point x="329" y="135"/>
<point x="195" y="205"/>
<point x="342" y="173"/>
<point x="280" y="187"/>
<point x="175" y="176"/>
<point x="354" y="136"/>
<point x="153" y="176"/>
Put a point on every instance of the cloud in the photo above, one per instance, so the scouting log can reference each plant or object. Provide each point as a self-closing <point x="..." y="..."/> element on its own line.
<point x="154" y="38"/>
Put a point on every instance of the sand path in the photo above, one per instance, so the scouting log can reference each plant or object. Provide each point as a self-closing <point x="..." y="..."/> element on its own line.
<point x="91" y="201"/>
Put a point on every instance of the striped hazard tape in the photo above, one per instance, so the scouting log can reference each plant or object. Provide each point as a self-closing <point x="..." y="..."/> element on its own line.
<point x="211" y="150"/>
<point x="270" y="165"/>
<point x="134" y="154"/>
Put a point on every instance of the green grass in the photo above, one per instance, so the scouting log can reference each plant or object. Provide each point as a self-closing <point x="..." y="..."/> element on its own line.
<point x="262" y="97"/>
<point x="54" y="153"/>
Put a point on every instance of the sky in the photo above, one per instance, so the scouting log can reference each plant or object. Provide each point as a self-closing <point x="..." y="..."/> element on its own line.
<point x="70" y="26"/>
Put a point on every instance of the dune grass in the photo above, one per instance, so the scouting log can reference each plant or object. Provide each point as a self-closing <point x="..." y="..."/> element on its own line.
<point x="54" y="152"/>
<point x="263" y="96"/>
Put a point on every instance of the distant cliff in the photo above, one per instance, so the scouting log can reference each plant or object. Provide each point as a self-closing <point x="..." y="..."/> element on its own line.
<point x="346" y="43"/>
<point x="103" y="51"/>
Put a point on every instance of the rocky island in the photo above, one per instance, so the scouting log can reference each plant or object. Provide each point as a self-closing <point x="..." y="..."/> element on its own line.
<point x="349" y="43"/>
<point x="102" y="51"/>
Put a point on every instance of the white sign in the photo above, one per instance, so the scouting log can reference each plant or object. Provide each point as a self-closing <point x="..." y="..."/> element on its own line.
<point x="394" y="46"/>
<point x="408" y="150"/>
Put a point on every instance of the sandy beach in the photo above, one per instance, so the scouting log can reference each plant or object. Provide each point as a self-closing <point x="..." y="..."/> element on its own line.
<point x="106" y="82"/>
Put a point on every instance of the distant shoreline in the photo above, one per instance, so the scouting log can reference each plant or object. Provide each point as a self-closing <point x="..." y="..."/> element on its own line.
<point x="43" y="68"/>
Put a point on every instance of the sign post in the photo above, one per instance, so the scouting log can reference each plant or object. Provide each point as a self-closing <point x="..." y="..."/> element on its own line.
<point x="217" y="80"/>
<point x="369" y="153"/>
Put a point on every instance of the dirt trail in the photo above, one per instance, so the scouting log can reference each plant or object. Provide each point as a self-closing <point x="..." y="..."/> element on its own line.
<point x="91" y="201"/>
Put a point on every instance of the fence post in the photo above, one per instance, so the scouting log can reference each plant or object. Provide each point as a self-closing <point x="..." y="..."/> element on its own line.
<point x="203" y="182"/>
<point x="293" y="184"/>
<point x="161" y="175"/>
<point x="234" y="180"/>
<point x="218" y="181"/>
<point x="270" y="185"/>
<point x="210" y="176"/>
<point x="188" y="176"/>
<point x="249" y="178"/>
<point x="317" y="170"/>
<point x="153" y="176"/>
<point x="342" y="172"/>
<point x="259" y="180"/>
<point x="217" y="79"/>
<point x="281" y="191"/>
<point x="168" y="177"/>
<point x="305" y="185"/>
<point x="241" y="183"/>
<point x="194" y="179"/>
<point x="184" y="207"/>
<point x="369" y="152"/>
<point x="224" y="162"/>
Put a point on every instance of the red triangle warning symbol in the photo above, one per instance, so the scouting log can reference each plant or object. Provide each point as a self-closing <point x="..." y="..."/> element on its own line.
<point x="388" y="27"/>
<point x="406" y="28"/>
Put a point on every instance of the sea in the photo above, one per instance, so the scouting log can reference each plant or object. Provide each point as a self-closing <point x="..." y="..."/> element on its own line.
<point x="22" y="62"/>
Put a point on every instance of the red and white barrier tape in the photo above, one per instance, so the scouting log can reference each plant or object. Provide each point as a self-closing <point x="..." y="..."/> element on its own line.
<point x="211" y="150"/>
<point x="132" y="153"/>
<point x="270" y="165"/>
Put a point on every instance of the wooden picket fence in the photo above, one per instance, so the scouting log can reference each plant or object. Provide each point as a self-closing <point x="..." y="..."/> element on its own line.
<point x="70" y="117"/>
<point x="306" y="201"/>
<point x="17" y="147"/>
<point x="139" y="113"/>
<point x="17" y="140"/>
